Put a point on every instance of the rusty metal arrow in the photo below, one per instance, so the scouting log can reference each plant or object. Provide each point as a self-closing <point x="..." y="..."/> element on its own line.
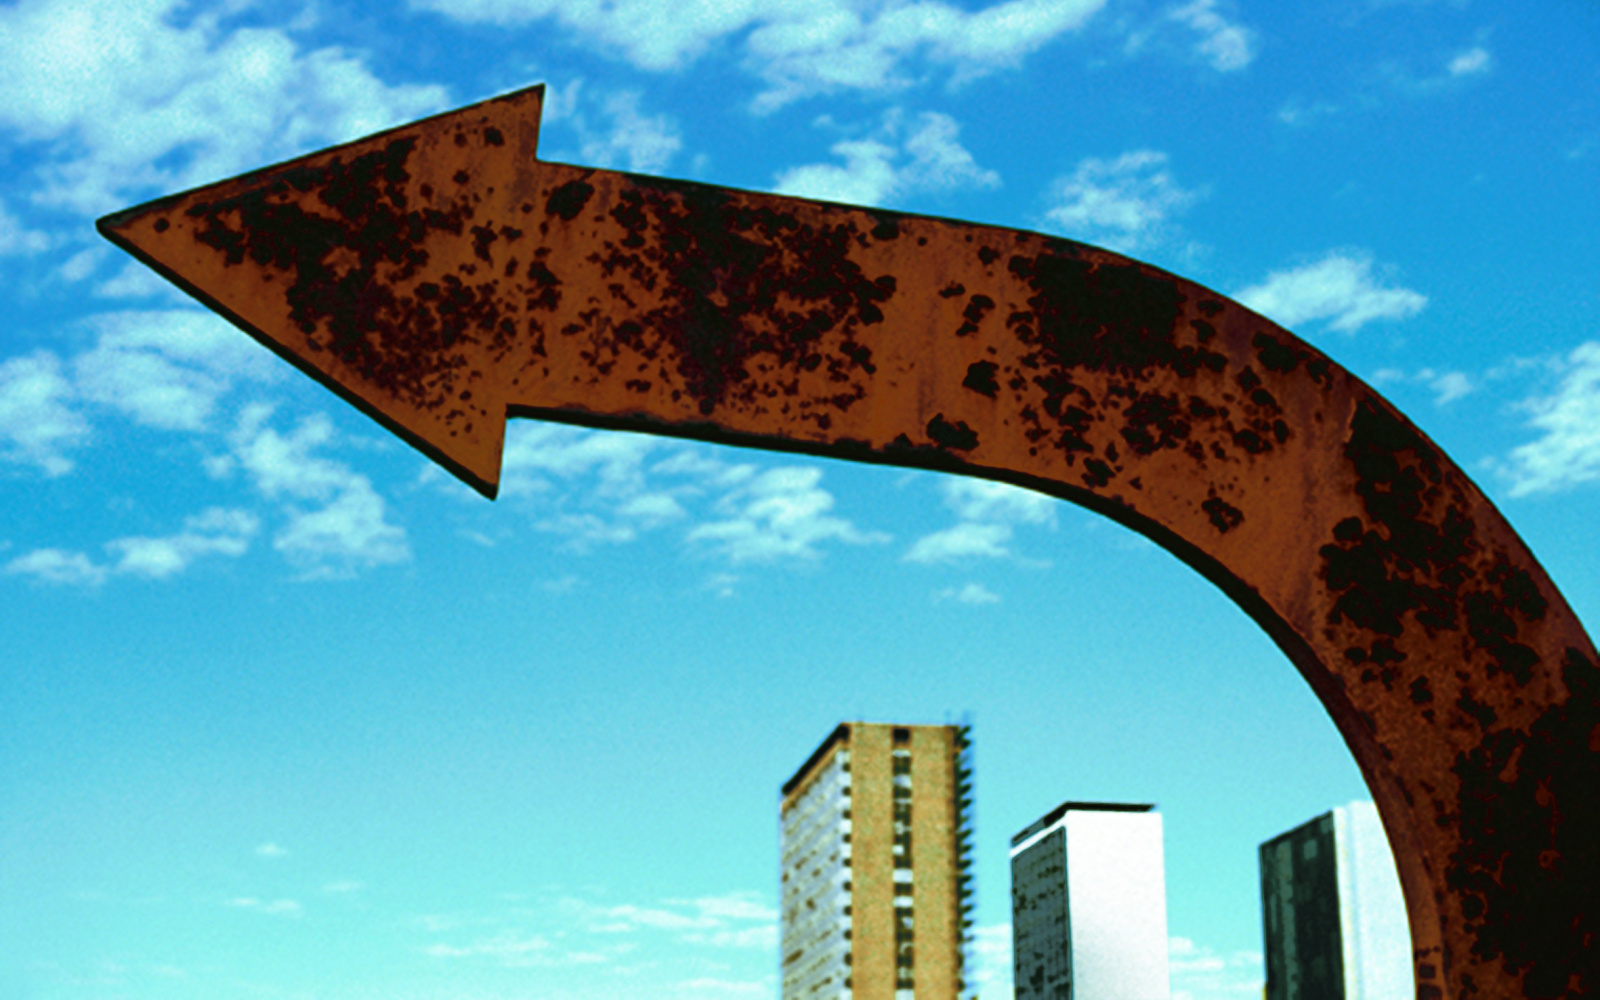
<point x="442" y="278"/>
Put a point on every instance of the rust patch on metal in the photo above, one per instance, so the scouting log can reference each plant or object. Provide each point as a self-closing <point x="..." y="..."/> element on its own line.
<point x="441" y="277"/>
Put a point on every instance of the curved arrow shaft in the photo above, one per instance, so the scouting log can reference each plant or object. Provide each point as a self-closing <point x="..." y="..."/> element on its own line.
<point x="441" y="277"/>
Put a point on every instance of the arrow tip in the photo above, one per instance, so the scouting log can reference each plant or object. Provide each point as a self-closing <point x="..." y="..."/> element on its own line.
<point x="350" y="264"/>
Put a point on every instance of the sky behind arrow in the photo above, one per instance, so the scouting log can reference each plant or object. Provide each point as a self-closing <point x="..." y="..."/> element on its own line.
<point x="287" y="712"/>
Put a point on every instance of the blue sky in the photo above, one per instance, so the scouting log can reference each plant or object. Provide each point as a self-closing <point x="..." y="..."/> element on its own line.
<point x="286" y="712"/>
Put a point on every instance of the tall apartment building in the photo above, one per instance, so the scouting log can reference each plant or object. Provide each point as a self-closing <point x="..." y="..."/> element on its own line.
<point x="1333" y="915"/>
<point x="876" y="883"/>
<point x="1089" y="905"/>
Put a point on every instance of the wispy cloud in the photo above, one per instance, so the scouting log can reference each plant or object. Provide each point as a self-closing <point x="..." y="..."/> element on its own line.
<point x="989" y="513"/>
<point x="16" y="239"/>
<point x="1202" y="973"/>
<point x="215" y="531"/>
<point x="1123" y="204"/>
<point x="991" y="961"/>
<point x="276" y="907"/>
<point x="1446" y="386"/>
<point x="168" y="368"/>
<point x="611" y="128"/>
<point x="1472" y="62"/>
<point x="973" y="593"/>
<point x="124" y="100"/>
<point x="1567" y="452"/>
<point x="577" y="931"/>
<point x="1339" y="290"/>
<point x="336" y="522"/>
<point x="271" y="850"/>
<point x="1226" y="46"/>
<point x="902" y="157"/>
<point x="37" y="425"/>
<point x="781" y="514"/>
<point x="800" y="50"/>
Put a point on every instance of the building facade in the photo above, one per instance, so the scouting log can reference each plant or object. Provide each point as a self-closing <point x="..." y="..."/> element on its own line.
<point x="876" y="866"/>
<point x="1089" y="905"/>
<point x="1333" y="917"/>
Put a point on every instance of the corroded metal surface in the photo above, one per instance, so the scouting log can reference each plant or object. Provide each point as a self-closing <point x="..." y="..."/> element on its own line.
<point x="440" y="277"/>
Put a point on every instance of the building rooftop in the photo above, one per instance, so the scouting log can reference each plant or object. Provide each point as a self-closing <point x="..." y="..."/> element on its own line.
<point x="1055" y="814"/>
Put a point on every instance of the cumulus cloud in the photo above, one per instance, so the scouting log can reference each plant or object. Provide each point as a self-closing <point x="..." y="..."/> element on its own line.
<point x="1122" y="204"/>
<point x="989" y="513"/>
<point x="37" y="424"/>
<point x="780" y="514"/>
<point x="215" y="531"/>
<point x="800" y="49"/>
<point x="336" y="522"/>
<point x="122" y="98"/>
<point x="1567" y="452"/>
<point x="1339" y="290"/>
<point x="901" y="158"/>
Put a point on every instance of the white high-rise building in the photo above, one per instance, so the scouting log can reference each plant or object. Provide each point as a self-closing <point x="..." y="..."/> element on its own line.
<point x="1333" y="915"/>
<point x="1089" y="905"/>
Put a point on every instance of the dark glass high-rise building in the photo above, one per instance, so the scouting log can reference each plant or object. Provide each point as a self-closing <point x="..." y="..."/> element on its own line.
<point x="1333" y="918"/>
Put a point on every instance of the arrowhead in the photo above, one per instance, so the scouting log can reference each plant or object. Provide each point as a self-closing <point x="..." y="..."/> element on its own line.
<point x="365" y="265"/>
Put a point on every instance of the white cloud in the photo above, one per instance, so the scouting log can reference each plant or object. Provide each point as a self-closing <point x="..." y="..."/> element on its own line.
<point x="930" y="158"/>
<point x="1121" y="204"/>
<point x="987" y="500"/>
<point x="215" y="531"/>
<point x="780" y="514"/>
<point x="803" y="47"/>
<point x="123" y="100"/>
<point x="1339" y="290"/>
<point x="615" y="133"/>
<point x="277" y="908"/>
<point x="988" y="511"/>
<point x="18" y="239"/>
<point x="36" y="424"/>
<point x="1567" y="453"/>
<point x="992" y="970"/>
<point x="966" y="540"/>
<point x="972" y="593"/>
<point x="1201" y="973"/>
<point x="1226" y="46"/>
<point x="344" y="886"/>
<point x="535" y="451"/>
<point x="271" y="850"/>
<point x="576" y="931"/>
<point x="168" y="368"/>
<point x="348" y="531"/>
<point x="510" y="949"/>
<point x="708" y="986"/>
<point x="1447" y="386"/>
<point x="1472" y="62"/>
<point x="56" y="566"/>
